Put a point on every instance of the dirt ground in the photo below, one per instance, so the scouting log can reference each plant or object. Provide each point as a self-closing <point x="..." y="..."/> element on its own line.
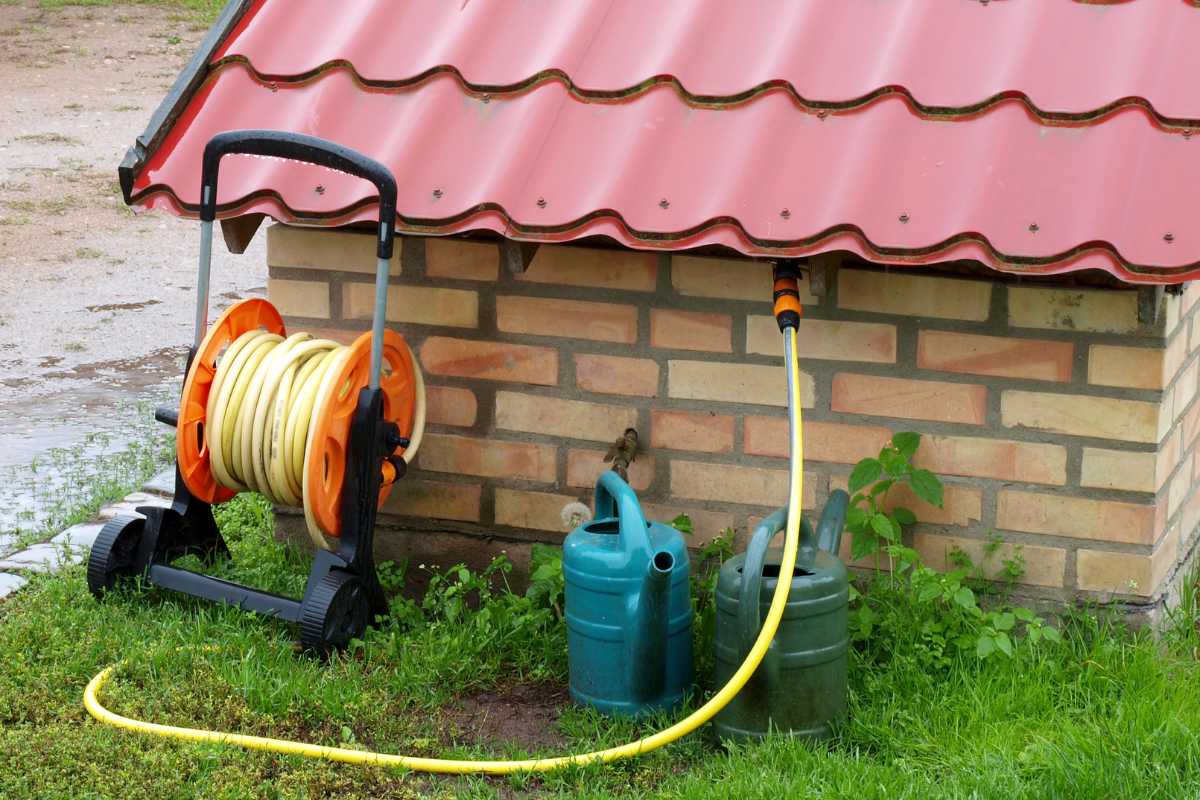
<point x="96" y="303"/>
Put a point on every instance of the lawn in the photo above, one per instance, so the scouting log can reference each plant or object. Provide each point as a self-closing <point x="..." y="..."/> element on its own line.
<point x="1106" y="713"/>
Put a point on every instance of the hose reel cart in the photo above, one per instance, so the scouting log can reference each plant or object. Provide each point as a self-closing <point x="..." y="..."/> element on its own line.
<point x="300" y="419"/>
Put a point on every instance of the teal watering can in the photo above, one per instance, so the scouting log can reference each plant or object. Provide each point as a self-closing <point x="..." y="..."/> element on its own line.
<point x="628" y="609"/>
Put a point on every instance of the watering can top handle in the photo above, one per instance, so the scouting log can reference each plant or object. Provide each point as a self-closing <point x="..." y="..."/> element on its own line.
<point x="828" y="538"/>
<point x="300" y="147"/>
<point x="615" y="498"/>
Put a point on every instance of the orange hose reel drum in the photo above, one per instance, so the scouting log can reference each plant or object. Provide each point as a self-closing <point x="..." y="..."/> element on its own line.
<point x="325" y="454"/>
<point x="191" y="451"/>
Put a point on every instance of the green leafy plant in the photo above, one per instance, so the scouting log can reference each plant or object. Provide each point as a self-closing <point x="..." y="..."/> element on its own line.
<point x="546" y="582"/>
<point x="911" y="608"/>
<point x="706" y="569"/>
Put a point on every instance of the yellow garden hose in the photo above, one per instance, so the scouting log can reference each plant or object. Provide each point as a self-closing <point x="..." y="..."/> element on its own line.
<point x="685" y="726"/>
<point x="265" y="392"/>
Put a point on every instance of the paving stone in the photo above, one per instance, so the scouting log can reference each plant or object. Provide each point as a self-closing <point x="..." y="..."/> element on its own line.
<point x="83" y="535"/>
<point x="43" y="557"/>
<point x="128" y="506"/>
<point x="10" y="583"/>
<point x="162" y="484"/>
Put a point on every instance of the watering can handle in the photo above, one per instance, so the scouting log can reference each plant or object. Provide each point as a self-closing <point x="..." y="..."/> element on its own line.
<point x="749" y="612"/>
<point x="615" y="498"/>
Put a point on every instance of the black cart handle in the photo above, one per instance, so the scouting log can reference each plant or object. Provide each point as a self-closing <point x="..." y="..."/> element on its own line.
<point x="300" y="147"/>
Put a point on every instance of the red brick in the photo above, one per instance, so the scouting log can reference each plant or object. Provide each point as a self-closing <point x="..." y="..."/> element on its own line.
<point x="997" y="356"/>
<point x="1077" y="517"/>
<point x="616" y="375"/>
<point x="690" y="330"/>
<point x="835" y="442"/>
<point x="488" y="458"/>
<point x="898" y="397"/>
<point x="705" y="524"/>
<point x="584" y="468"/>
<point x="586" y="266"/>
<point x="454" y="258"/>
<point x="701" y="431"/>
<point x="576" y="319"/>
<point x="734" y="484"/>
<point x="1044" y="566"/>
<point x="1027" y="462"/>
<point x="449" y="405"/>
<point x="491" y="361"/>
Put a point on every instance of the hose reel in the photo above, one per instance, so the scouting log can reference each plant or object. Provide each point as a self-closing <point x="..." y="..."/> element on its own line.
<point x="268" y="412"/>
<point x="303" y="420"/>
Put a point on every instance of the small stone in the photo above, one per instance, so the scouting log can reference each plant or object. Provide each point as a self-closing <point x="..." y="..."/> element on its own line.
<point x="10" y="583"/>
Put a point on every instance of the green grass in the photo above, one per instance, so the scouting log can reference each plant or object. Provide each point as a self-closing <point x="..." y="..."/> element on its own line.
<point x="1108" y="713"/>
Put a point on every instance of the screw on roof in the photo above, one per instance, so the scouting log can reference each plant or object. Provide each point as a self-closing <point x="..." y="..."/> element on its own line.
<point x="785" y="214"/>
<point x="1034" y="227"/>
<point x="437" y="194"/>
<point x="903" y="218"/>
<point x="541" y="202"/>
<point x="1187" y="133"/>
<point x="320" y="189"/>
<point x="1168" y="237"/>
<point x="822" y="113"/>
<point x="664" y="203"/>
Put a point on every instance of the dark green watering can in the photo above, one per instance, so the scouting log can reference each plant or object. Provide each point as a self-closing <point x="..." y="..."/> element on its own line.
<point x="800" y="686"/>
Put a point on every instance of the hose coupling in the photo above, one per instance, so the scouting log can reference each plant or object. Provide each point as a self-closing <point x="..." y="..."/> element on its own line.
<point x="787" y="296"/>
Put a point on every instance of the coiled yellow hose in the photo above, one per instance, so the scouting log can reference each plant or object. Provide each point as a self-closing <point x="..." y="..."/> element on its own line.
<point x="265" y="393"/>
<point x="444" y="765"/>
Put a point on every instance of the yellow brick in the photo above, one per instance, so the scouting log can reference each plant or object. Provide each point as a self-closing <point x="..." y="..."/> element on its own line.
<point x="705" y="524"/>
<point x="1077" y="517"/>
<point x="898" y="397"/>
<point x="897" y="292"/>
<point x="454" y="258"/>
<point x="1130" y="367"/>
<point x="1117" y="573"/>
<point x="570" y="419"/>
<point x="826" y="339"/>
<point x="1044" y="566"/>
<point x="1168" y="456"/>
<point x="1081" y="415"/>
<point x="414" y="497"/>
<point x="1118" y="469"/>
<point x="733" y="383"/>
<point x="734" y="484"/>
<point x="961" y="505"/>
<point x="537" y="510"/>
<point x="1174" y="356"/>
<point x="1194" y="334"/>
<point x="1185" y="389"/>
<point x="299" y="298"/>
<point x="419" y="305"/>
<point x="728" y="278"/>
<point x="1180" y="487"/>
<point x="334" y="249"/>
<point x="1097" y="310"/>
<point x="587" y="266"/>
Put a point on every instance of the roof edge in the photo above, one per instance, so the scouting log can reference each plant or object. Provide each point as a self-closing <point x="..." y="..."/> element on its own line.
<point x="190" y="79"/>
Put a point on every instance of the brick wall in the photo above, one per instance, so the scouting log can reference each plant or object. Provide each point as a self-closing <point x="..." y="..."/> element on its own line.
<point x="1058" y="420"/>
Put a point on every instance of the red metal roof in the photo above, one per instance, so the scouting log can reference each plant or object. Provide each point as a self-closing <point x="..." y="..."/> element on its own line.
<point x="1036" y="137"/>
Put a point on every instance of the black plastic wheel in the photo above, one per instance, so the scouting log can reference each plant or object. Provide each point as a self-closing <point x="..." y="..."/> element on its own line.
<point x="337" y="611"/>
<point x="114" y="554"/>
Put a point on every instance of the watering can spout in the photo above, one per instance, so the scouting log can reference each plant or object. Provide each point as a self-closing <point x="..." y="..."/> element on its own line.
<point x="648" y="621"/>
